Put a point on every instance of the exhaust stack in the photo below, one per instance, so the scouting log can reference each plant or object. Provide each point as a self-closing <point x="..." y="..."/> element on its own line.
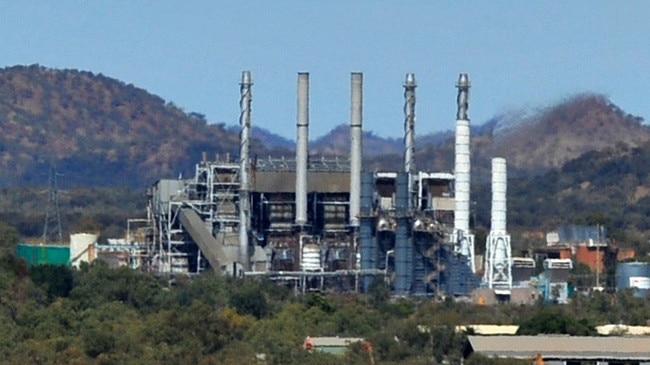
<point x="244" y="151"/>
<point x="409" y="131"/>
<point x="498" y="252"/>
<point x="356" y="115"/>
<point x="464" y="240"/>
<point x="301" y="149"/>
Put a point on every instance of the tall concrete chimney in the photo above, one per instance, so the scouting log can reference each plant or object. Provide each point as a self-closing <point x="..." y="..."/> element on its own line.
<point x="302" y="141"/>
<point x="464" y="238"/>
<point x="244" y="163"/>
<point x="356" y="114"/>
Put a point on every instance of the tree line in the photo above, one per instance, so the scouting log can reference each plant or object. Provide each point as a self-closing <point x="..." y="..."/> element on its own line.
<point x="99" y="315"/>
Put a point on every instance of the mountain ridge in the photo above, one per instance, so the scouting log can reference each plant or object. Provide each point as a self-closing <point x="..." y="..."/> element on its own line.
<point x="568" y="162"/>
<point x="102" y="131"/>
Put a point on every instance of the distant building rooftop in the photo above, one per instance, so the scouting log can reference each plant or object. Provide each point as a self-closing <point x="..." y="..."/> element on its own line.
<point x="332" y="345"/>
<point x="561" y="347"/>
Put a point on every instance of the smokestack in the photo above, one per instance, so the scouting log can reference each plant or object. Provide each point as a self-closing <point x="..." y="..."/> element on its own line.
<point x="409" y="131"/>
<point x="464" y="238"/>
<point x="244" y="148"/>
<point x="356" y="114"/>
<point x="462" y="163"/>
<point x="409" y="124"/>
<point x="498" y="251"/>
<point x="499" y="176"/>
<point x="302" y="149"/>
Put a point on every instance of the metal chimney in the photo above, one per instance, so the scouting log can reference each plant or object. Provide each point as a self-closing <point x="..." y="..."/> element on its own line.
<point x="464" y="239"/>
<point x="498" y="251"/>
<point x="244" y="149"/>
<point x="356" y="114"/>
<point x="499" y="176"/>
<point x="302" y="149"/>
<point x="409" y="124"/>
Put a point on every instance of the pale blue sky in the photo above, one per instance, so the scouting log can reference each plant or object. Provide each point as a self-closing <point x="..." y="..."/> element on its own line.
<point x="192" y="53"/>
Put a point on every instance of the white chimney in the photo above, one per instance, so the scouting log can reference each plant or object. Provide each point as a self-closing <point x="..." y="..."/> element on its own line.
<point x="464" y="239"/>
<point x="302" y="148"/>
<point x="356" y="115"/>
<point x="498" y="251"/>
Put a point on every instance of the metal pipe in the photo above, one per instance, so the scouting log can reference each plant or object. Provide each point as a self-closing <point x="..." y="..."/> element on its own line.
<point x="356" y="145"/>
<point x="244" y="151"/>
<point x="302" y="141"/>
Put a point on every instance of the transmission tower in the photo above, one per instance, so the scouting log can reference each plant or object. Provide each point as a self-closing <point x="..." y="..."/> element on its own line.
<point x="52" y="228"/>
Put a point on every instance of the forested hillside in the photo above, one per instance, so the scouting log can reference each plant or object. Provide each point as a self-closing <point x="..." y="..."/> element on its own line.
<point x="96" y="130"/>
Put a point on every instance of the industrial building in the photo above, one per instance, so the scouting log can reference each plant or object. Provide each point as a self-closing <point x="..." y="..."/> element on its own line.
<point x="322" y="224"/>
<point x="325" y="224"/>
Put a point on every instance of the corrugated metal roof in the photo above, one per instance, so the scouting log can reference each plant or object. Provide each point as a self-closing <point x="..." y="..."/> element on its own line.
<point x="559" y="347"/>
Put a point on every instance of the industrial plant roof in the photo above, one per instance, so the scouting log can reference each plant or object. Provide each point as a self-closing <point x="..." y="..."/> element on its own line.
<point x="560" y="347"/>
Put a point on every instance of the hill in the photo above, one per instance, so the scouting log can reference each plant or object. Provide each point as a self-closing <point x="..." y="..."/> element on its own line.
<point x="557" y="134"/>
<point x="99" y="131"/>
<point x="532" y="141"/>
<point x="574" y="161"/>
<point x="96" y="130"/>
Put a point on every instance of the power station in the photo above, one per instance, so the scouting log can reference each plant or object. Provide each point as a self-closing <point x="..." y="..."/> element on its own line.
<point x="327" y="224"/>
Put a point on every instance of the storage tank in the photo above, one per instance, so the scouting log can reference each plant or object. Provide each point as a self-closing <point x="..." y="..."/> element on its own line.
<point x="634" y="275"/>
<point x="310" y="257"/>
<point x="44" y="254"/>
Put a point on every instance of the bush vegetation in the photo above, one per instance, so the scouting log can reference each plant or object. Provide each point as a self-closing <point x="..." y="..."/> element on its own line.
<point x="99" y="315"/>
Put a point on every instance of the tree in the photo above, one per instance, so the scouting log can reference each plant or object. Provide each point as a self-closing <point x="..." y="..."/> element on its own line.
<point x="56" y="280"/>
<point x="249" y="299"/>
<point x="553" y="319"/>
<point x="8" y="238"/>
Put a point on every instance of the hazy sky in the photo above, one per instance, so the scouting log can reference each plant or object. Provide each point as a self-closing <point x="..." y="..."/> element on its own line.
<point x="192" y="53"/>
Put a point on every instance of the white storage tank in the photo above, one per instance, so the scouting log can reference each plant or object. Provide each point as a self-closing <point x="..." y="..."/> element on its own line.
<point x="310" y="260"/>
<point x="634" y="275"/>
